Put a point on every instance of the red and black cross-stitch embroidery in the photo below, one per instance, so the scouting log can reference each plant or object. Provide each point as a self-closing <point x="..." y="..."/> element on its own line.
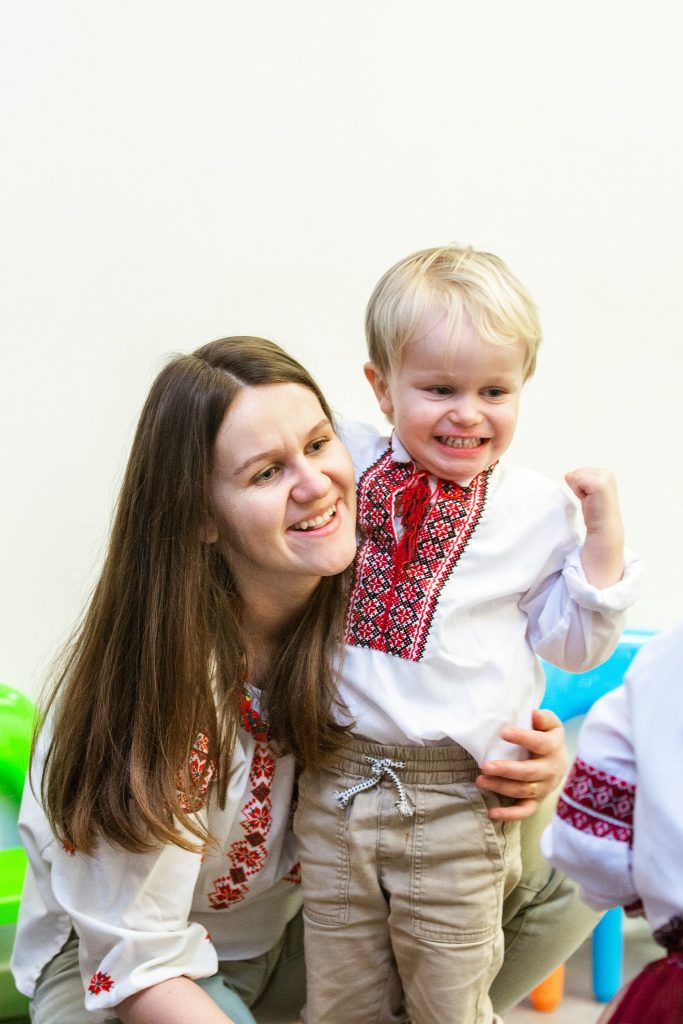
<point x="248" y="855"/>
<point x="392" y="602"/>
<point x="100" y="982"/>
<point x="201" y="770"/>
<point x="600" y="804"/>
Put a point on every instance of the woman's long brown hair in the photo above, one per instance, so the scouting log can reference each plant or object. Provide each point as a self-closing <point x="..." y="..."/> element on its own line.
<point x="158" y="657"/>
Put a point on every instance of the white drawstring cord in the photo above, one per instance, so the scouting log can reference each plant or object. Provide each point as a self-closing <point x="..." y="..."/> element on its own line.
<point x="381" y="766"/>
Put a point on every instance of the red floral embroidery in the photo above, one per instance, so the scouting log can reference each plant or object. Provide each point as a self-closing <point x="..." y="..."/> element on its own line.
<point x="598" y="803"/>
<point x="201" y="771"/>
<point x="247" y="856"/>
<point x="256" y="817"/>
<point x="294" y="874"/>
<point x="100" y="983"/>
<point x="392" y="604"/>
<point x="226" y="893"/>
<point x="263" y="763"/>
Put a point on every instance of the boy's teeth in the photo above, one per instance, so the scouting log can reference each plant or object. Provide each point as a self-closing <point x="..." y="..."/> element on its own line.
<point x="461" y="442"/>
<point x="310" y="524"/>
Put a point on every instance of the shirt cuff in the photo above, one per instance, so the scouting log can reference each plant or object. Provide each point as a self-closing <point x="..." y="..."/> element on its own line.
<point x="615" y="598"/>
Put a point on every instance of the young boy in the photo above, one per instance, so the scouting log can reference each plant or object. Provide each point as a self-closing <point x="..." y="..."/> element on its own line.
<point x="467" y="571"/>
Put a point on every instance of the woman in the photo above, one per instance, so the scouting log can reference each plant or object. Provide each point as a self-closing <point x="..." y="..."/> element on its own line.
<point x="163" y="879"/>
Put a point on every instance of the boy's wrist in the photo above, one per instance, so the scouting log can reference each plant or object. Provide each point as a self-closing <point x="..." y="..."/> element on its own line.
<point x="602" y="557"/>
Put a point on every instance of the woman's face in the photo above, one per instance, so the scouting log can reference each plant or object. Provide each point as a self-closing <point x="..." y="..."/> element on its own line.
<point x="282" y="493"/>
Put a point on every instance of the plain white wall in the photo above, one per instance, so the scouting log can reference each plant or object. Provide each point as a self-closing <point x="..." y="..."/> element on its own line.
<point x="174" y="172"/>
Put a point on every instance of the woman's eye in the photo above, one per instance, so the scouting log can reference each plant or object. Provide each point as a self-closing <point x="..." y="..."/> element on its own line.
<point x="266" y="474"/>
<point x="318" y="445"/>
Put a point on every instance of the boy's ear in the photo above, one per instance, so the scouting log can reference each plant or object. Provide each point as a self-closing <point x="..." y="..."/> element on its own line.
<point x="379" y="383"/>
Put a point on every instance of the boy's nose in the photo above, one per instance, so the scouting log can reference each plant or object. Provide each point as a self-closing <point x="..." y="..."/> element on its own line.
<point x="465" y="411"/>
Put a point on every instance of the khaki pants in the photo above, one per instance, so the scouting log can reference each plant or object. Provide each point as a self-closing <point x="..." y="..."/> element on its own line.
<point x="543" y="920"/>
<point x="416" y="898"/>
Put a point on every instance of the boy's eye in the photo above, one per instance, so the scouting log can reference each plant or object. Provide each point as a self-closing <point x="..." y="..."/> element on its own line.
<point x="494" y="392"/>
<point x="441" y="390"/>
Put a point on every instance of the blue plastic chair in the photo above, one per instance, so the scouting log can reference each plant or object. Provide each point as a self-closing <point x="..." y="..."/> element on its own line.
<point x="568" y="695"/>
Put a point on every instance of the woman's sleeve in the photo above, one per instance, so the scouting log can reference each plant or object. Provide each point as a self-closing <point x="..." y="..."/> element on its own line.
<point x="130" y="910"/>
<point x="571" y="623"/>
<point x="591" y="834"/>
<point x="131" y="913"/>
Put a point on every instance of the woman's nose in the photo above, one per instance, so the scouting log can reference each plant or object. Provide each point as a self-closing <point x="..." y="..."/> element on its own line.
<point x="311" y="483"/>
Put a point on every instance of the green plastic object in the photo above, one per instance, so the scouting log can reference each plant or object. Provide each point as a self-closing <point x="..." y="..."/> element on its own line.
<point x="17" y="716"/>
<point x="12" y="871"/>
<point x="13" y="1006"/>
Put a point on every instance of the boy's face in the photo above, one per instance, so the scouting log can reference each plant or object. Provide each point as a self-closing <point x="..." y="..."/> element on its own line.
<point x="453" y="401"/>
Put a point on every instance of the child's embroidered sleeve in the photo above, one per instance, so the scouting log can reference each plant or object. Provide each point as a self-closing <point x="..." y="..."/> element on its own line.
<point x="591" y="835"/>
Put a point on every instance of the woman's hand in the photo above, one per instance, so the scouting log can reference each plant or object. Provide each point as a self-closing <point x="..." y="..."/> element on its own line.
<point x="529" y="781"/>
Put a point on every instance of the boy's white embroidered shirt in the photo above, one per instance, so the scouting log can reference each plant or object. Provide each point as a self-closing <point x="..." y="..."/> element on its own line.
<point x="448" y="650"/>
<point x="145" y="918"/>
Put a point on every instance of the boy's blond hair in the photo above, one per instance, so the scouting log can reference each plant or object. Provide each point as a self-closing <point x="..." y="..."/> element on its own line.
<point x="451" y="281"/>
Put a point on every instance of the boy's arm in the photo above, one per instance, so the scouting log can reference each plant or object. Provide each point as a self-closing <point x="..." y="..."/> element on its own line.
<point x="602" y="554"/>
<point x="576" y="609"/>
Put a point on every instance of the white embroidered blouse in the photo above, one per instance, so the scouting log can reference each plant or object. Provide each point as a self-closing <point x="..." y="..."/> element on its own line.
<point x="447" y="648"/>
<point x="145" y="918"/>
<point x="618" y="828"/>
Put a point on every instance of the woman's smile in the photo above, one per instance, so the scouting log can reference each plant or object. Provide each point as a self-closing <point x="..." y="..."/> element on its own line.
<point x="316" y="521"/>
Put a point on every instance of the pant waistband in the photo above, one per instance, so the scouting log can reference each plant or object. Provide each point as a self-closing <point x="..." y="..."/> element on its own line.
<point x="423" y="765"/>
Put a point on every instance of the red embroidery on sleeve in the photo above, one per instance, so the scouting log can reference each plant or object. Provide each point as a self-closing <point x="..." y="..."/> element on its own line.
<point x="100" y="983"/>
<point x="598" y="803"/>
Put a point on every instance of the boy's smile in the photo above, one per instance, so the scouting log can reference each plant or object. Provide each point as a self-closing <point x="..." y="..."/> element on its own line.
<point x="453" y="400"/>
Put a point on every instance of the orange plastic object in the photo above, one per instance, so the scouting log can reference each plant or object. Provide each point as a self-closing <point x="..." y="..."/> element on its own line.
<point x="548" y="995"/>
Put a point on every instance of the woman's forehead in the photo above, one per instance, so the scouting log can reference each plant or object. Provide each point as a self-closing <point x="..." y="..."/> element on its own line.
<point x="266" y="418"/>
